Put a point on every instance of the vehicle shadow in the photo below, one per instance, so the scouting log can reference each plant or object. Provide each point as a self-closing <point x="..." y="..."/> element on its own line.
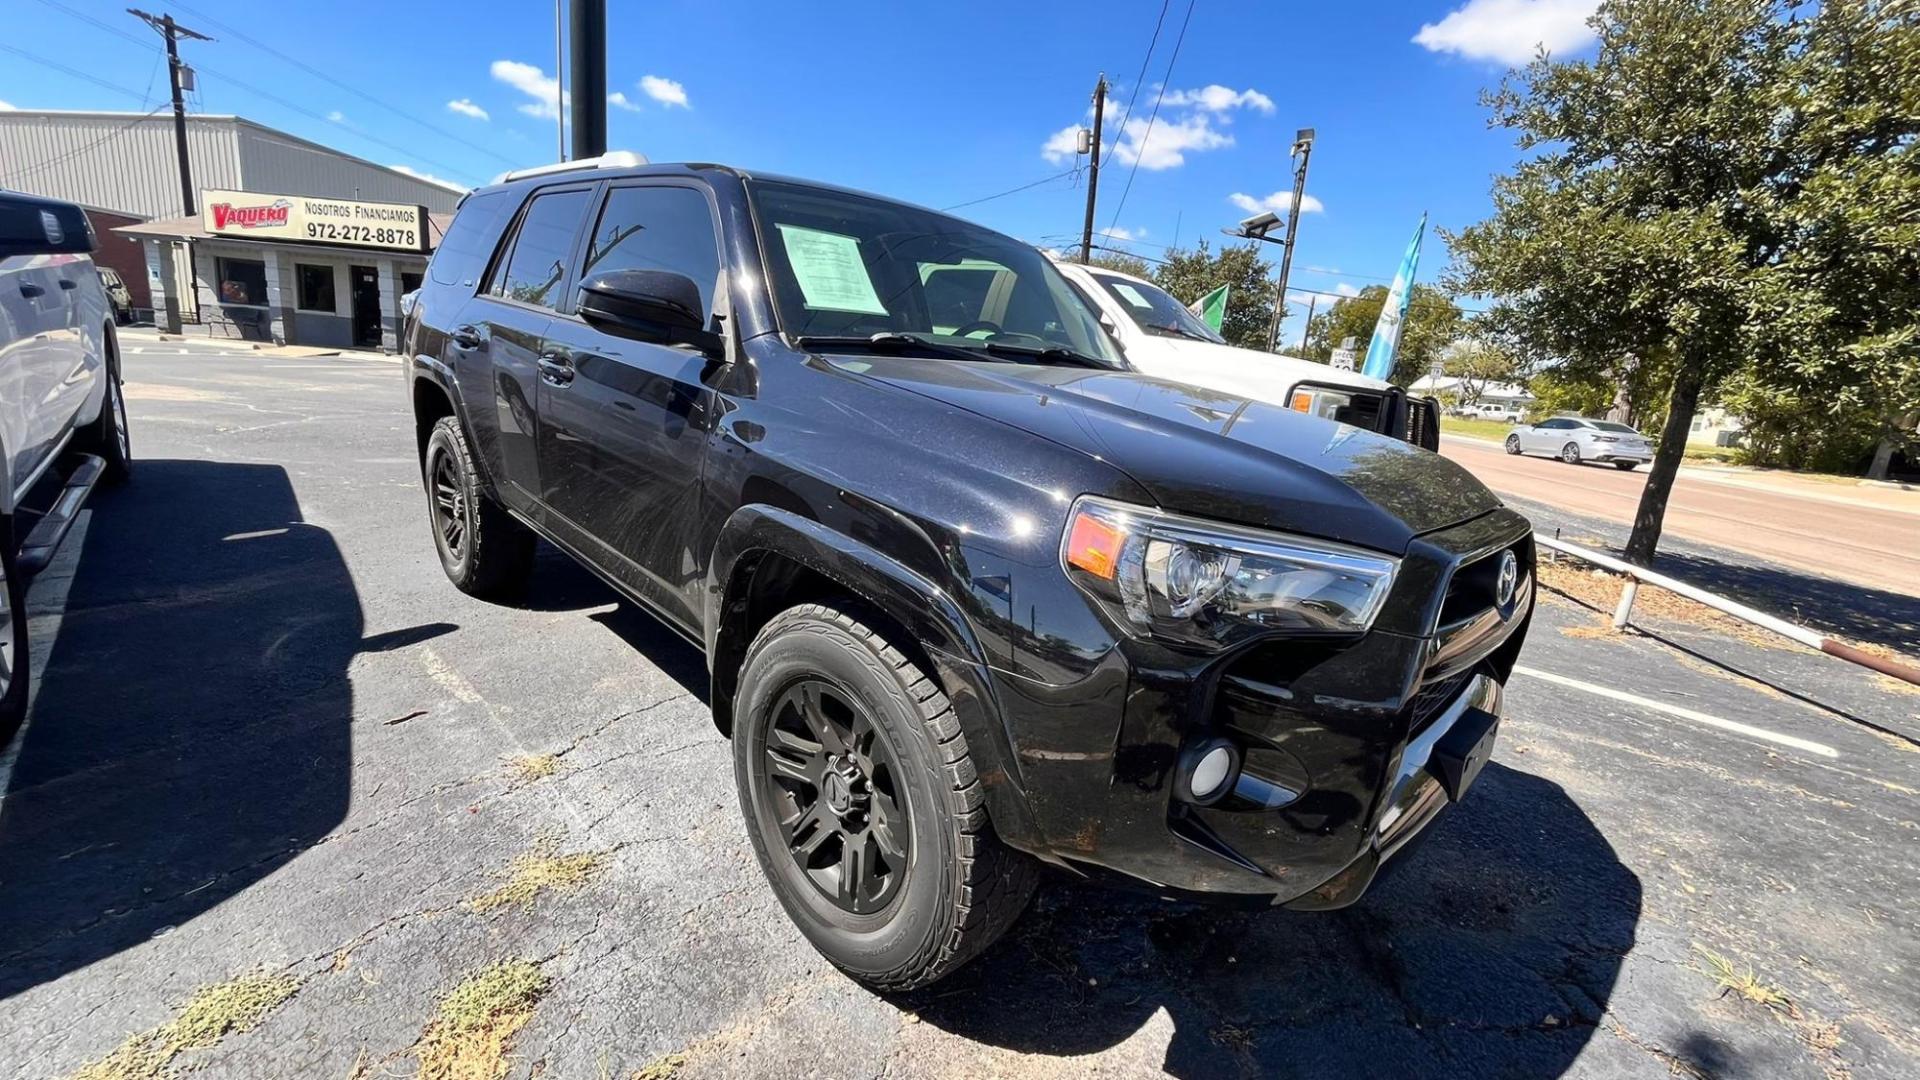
<point x="1492" y="950"/>
<point x="191" y="730"/>
<point x="560" y="583"/>
<point x="1851" y="611"/>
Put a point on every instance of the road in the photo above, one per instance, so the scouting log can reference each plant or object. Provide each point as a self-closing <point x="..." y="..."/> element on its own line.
<point x="1844" y="532"/>
<point x="271" y="742"/>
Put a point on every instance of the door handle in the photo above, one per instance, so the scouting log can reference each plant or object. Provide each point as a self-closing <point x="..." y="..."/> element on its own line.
<point x="31" y="291"/>
<point x="68" y="283"/>
<point x="466" y="337"/>
<point x="556" y="369"/>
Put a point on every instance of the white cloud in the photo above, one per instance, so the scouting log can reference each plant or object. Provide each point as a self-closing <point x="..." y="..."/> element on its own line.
<point x="6" y="106"/>
<point x="1185" y="125"/>
<point x="337" y="116"/>
<point x="428" y="177"/>
<point x="1165" y="143"/>
<point x="544" y="89"/>
<point x="1346" y="289"/>
<point x="1219" y="99"/>
<point x="465" y="107"/>
<point x="1508" y="31"/>
<point x="1062" y="145"/>
<point x="1121" y="232"/>
<point x="1279" y="202"/>
<point x="665" y="91"/>
<point x="621" y="101"/>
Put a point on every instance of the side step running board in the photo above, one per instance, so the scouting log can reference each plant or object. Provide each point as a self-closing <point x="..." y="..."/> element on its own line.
<point x="45" y="538"/>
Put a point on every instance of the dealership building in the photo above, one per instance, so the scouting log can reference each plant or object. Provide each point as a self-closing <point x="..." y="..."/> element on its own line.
<point x="290" y="241"/>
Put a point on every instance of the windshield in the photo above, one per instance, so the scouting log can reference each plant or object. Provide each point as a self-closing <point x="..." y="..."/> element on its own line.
<point x="1608" y="425"/>
<point x="845" y="265"/>
<point x="1154" y="311"/>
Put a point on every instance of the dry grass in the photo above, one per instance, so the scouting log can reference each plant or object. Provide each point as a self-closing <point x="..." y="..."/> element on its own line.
<point x="211" y="1014"/>
<point x="1600" y="589"/>
<point x="527" y="768"/>
<point x="542" y="870"/>
<point x="470" y="1037"/>
<point x="1744" y="983"/>
<point x="661" y="1069"/>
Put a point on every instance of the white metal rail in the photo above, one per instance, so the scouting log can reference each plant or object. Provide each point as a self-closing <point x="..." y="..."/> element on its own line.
<point x="1812" y="639"/>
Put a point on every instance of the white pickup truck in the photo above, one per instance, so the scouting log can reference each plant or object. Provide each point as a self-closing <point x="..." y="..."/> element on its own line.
<point x="63" y="418"/>
<point x="1162" y="338"/>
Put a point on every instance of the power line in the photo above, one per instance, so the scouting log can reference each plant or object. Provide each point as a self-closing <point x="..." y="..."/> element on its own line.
<point x="1010" y="191"/>
<point x="1141" y="146"/>
<point x="348" y="87"/>
<point x="1140" y="78"/>
<point x="65" y="70"/>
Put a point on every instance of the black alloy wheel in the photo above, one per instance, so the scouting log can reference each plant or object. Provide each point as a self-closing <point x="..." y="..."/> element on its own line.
<point x="833" y="783"/>
<point x="452" y="513"/>
<point x="484" y="551"/>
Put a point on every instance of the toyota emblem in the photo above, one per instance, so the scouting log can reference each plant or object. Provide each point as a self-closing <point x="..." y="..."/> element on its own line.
<point x="1509" y="578"/>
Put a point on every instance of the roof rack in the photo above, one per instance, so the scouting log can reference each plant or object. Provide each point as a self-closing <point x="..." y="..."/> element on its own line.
<point x="614" y="159"/>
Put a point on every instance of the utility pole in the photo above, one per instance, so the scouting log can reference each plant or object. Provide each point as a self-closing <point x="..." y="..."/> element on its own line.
<point x="589" y="78"/>
<point x="1302" y="150"/>
<point x="559" y="80"/>
<point x="173" y="32"/>
<point x="1313" y="302"/>
<point x="1093" y="177"/>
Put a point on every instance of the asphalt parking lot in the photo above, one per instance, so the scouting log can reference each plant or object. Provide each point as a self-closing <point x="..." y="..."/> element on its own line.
<point x="273" y="749"/>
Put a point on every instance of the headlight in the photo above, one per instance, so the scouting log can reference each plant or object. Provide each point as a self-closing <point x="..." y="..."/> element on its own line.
<point x="1202" y="583"/>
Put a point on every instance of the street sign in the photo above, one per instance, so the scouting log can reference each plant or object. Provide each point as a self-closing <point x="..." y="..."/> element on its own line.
<point x="1344" y="359"/>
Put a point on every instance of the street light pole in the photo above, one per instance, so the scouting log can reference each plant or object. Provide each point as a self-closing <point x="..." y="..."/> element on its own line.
<point x="589" y="42"/>
<point x="1093" y="176"/>
<point x="1302" y="150"/>
<point x="173" y="32"/>
<point x="559" y="80"/>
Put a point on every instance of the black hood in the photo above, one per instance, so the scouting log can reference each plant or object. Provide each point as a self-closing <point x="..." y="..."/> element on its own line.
<point x="1212" y="454"/>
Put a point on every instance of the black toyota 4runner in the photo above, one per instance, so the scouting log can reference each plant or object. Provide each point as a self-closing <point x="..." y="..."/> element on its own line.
<point x="974" y="597"/>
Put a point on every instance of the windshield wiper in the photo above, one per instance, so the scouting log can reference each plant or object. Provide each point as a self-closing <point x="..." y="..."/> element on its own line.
<point x="1046" y="354"/>
<point x="890" y="341"/>
<point x="1166" y="330"/>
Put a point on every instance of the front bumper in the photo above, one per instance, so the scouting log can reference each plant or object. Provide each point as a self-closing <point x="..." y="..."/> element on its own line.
<point x="1348" y="749"/>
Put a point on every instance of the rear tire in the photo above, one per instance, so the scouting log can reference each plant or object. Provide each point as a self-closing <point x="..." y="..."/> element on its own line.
<point x="1626" y="466"/>
<point x="1570" y="454"/>
<point x="485" y="552"/>
<point x="15" y="655"/>
<point x="827" y="706"/>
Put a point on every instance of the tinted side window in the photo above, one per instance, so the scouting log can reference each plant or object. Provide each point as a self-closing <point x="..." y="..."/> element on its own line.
<point x="657" y="228"/>
<point x="534" y="270"/>
<point x="463" y="251"/>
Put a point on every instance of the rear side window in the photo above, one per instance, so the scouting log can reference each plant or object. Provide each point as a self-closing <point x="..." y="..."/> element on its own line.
<point x="462" y="254"/>
<point x="657" y="228"/>
<point x="533" y="272"/>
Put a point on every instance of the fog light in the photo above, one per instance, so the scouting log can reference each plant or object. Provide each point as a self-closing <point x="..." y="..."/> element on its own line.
<point x="1209" y="769"/>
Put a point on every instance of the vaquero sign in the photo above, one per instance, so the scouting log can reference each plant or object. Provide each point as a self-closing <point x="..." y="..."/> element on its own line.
<point x="304" y="219"/>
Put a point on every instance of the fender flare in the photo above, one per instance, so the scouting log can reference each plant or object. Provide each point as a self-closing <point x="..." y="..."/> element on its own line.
<point x="912" y="601"/>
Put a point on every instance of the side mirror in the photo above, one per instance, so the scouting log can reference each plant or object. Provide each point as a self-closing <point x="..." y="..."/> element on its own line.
<point x="34" y="226"/>
<point x="658" y="306"/>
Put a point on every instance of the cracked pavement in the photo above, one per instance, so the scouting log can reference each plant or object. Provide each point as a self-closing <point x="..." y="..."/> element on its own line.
<point x="269" y="736"/>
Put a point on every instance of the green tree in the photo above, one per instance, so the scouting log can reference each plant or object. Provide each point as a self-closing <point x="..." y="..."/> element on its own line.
<point x="1121" y="263"/>
<point x="1700" y="197"/>
<point x="1477" y="362"/>
<point x="1190" y="274"/>
<point x="1433" y="323"/>
<point x="1557" y="390"/>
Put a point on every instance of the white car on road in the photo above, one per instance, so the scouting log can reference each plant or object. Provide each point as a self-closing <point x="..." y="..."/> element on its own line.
<point x="63" y="420"/>
<point x="1574" y="439"/>
<point x="1160" y="337"/>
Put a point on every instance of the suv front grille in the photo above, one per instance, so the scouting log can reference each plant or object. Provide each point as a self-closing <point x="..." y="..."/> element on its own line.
<point x="1433" y="699"/>
<point x="1475" y="587"/>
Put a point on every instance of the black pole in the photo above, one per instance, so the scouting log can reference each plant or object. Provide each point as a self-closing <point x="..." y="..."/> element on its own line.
<point x="1303" y="145"/>
<point x="1093" y="177"/>
<point x="589" y="109"/>
<point x="179" y="115"/>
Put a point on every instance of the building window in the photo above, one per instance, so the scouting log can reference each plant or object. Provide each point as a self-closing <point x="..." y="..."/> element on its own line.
<point x="315" y="288"/>
<point x="242" y="281"/>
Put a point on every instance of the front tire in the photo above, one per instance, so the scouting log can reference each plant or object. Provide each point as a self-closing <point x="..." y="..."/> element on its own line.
<point x="15" y="655"/>
<point x="1513" y="444"/>
<point x="1570" y="454"/>
<point x="485" y="552"/>
<point x="863" y="805"/>
<point x="108" y="436"/>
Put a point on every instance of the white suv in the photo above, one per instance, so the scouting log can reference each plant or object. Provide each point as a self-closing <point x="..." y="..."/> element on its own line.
<point x="1160" y="337"/>
<point x="63" y="420"/>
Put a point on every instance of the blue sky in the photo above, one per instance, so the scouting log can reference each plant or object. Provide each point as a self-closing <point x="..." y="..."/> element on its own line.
<point x="935" y="103"/>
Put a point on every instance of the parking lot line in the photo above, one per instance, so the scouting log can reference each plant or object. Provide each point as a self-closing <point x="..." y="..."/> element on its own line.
<point x="1697" y="717"/>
